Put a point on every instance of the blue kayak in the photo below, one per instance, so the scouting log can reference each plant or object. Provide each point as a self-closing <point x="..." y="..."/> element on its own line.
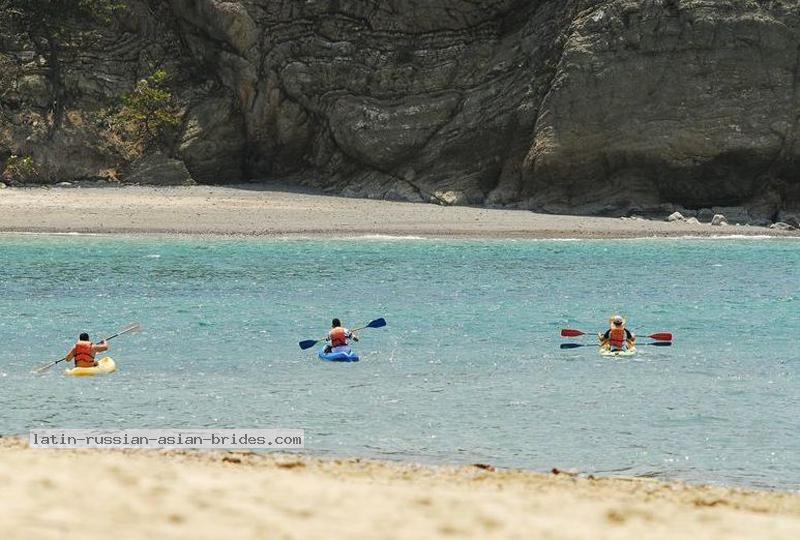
<point x="350" y="356"/>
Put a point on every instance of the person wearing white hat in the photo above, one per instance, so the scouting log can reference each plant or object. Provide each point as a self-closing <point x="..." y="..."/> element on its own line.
<point x="617" y="337"/>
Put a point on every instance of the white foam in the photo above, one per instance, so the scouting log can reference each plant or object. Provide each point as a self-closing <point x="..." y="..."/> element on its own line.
<point x="739" y="237"/>
<point x="386" y="237"/>
<point x="33" y="233"/>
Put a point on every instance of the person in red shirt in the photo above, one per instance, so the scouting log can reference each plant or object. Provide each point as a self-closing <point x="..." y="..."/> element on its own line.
<point x="84" y="350"/>
<point x="617" y="337"/>
<point x="337" y="338"/>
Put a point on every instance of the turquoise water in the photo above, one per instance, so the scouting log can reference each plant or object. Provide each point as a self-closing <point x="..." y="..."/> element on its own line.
<point x="468" y="370"/>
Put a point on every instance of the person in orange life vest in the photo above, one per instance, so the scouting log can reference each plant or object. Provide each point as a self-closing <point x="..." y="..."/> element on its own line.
<point x="338" y="337"/>
<point x="84" y="350"/>
<point x="617" y="337"/>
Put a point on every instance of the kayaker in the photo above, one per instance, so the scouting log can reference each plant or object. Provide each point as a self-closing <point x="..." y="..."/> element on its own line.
<point x="84" y="350"/>
<point x="337" y="338"/>
<point x="617" y="337"/>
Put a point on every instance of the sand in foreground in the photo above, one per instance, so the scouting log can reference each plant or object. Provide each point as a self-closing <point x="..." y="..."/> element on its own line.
<point x="157" y="494"/>
<point x="225" y="210"/>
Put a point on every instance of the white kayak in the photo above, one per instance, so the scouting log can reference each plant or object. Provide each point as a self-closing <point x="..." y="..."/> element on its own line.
<point x="621" y="353"/>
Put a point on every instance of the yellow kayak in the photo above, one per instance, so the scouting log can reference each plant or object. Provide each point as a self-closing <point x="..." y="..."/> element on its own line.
<point x="104" y="367"/>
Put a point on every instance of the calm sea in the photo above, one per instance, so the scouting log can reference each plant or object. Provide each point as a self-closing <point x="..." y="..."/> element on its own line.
<point x="468" y="370"/>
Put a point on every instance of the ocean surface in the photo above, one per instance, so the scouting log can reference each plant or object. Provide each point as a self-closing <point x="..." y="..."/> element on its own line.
<point x="468" y="369"/>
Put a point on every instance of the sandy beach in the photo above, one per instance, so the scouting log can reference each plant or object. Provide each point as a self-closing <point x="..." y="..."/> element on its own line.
<point x="249" y="211"/>
<point x="184" y="494"/>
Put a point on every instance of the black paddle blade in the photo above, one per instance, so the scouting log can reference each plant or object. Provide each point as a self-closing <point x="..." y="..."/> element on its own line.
<point x="308" y="343"/>
<point x="377" y="323"/>
<point x="572" y="345"/>
<point x="661" y="344"/>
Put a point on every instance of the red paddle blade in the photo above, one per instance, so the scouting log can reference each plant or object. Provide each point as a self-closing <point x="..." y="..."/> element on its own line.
<point x="568" y="332"/>
<point x="663" y="336"/>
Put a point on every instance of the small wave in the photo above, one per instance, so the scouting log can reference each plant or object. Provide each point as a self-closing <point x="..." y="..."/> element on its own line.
<point x="736" y="237"/>
<point x="650" y="238"/>
<point x="66" y="233"/>
<point x="543" y="239"/>
<point x="386" y="237"/>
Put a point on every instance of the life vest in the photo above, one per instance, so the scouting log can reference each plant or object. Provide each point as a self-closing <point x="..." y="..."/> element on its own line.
<point x="338" y="337"/>
<point x="616" y="337"/>
<point x="84" y="355"/>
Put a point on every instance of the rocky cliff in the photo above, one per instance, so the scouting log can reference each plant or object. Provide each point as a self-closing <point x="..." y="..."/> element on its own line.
<point x="565" y="105"/>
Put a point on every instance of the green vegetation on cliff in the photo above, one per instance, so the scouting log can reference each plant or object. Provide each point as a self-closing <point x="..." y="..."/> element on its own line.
<point x="147" y="116"/>
<point x="18" y="168"/>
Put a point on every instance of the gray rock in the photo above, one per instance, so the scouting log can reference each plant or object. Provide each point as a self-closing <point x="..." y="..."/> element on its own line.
<point x="213" y="140"/>
<point x="781" y="226"/>
<point x="159" y="170"/>
<point x="385" y="134"/>
<point x="705" y="215"/>
<point x="719" y="220"/>
<point x="733" y="214"/>
<point x="789" y="217"/>
<point x="760" y="222"/>
<point x="676" y="216"/>
<point x="382" y="186"/>
<point x="690" y="157"/>
<point x="764" y="207"/>
<point x="402" y="192"/>
<point x="451" y="198"/>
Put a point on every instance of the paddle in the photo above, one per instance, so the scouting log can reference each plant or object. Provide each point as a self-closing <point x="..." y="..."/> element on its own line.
<point x="576" y="345"/>
<point x="133" y="327"/>
<point x="377" y="323"/>
<point x="660" y="336"/>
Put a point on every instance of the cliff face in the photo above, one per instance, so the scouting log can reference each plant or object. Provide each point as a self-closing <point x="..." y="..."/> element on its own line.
<point x="570" y="105"/>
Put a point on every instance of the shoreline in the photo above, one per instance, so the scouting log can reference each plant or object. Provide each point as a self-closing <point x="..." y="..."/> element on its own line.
<point x="308" y="236"/>
<point x="180" y="493"/>
<point x="232" y="211"/>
